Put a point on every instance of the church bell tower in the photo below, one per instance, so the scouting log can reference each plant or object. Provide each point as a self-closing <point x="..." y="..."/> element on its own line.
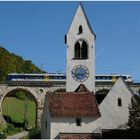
<point x="80" y="41"/>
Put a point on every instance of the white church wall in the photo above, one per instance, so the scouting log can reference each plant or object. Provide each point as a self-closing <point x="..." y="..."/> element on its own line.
<point x="68" y="125"/>
<point x="114" y="116"/>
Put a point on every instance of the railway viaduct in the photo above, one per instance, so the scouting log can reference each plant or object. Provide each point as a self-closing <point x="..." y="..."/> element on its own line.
<point x="39" y="89"/>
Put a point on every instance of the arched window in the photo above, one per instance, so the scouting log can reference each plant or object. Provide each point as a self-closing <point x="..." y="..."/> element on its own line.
<point x="84" y="50"/>
<point x="119" y="102"/>
<point x="80" y="29"/>
<point x="81" y="50"/>
<point x="77" y="50"/>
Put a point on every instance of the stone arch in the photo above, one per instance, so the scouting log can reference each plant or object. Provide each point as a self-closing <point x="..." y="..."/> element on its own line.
<point x="10" y="89"/>
<point x="27" y="90"/>
<point x="101" y="94"/>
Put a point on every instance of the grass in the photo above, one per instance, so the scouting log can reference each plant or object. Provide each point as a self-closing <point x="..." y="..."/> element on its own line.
<point x="15" y="109"/>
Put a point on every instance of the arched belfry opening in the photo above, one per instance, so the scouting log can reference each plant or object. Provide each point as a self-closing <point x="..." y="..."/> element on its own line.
<point x="84" y="50"/>
<point x="77" y="50"/>
<point x="80" y="50"/>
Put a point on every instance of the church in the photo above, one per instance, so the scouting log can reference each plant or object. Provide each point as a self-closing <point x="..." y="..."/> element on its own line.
<point x="77" y="113"/>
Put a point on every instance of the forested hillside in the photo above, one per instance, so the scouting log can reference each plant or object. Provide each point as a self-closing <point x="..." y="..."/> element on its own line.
<point x="11" y="63"/>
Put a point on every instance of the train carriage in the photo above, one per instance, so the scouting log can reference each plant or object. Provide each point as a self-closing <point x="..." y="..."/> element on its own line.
<point x="56" y="77"/>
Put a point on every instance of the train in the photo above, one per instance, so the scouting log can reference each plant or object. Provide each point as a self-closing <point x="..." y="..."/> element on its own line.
<point x="61" y="77"/>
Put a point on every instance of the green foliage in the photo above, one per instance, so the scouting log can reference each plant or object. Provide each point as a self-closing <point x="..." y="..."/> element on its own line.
<point x="2" y="135"/>
<point x="2" y="127"/>
<point x="18" y="94"/>
<point x="12" y="130"/>
<point x="35" y="133"/>
<point x="11" y="63"/>
<point x="8" y="130"/>
<point x="134" y="113"/>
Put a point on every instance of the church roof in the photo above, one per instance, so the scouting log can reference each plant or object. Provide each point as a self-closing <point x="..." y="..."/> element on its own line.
<point x="82" y="88"/>
<point x="72" y="104"/>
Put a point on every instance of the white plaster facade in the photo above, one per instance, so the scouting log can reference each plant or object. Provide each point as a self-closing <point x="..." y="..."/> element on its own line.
<point x="114" y="116"/>
<point x="68" y="125"/>
<point x="72" y="37"/>
<point x="53" y="126"/>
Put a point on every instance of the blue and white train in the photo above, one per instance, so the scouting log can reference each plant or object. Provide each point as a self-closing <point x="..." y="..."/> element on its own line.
<point x="56" y="77"/>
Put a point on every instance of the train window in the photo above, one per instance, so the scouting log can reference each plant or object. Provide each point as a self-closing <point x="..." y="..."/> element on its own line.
<point x="109" y="77"/>
<point x="105" y="77"/>
<point x="62" y="77"/>
<point x="97" y="77"/>
<point x="19" y="76"/>
<point x="42" y="77"/>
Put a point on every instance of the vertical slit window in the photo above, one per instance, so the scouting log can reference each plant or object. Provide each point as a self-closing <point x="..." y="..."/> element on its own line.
<point x="80" y="29"/>
<point x="119" y="102"/>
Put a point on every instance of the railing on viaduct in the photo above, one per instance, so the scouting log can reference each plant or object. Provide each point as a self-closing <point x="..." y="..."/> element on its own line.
<point x="99" y="85"/>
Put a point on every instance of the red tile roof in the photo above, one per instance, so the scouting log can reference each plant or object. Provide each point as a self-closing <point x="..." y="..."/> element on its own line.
<point x="72" y="104"/>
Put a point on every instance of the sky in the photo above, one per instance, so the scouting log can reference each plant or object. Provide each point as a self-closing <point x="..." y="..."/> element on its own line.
<point x="35" y="31"/>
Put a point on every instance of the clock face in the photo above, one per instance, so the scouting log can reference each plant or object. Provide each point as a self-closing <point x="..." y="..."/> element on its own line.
<point x="80" y="73"/>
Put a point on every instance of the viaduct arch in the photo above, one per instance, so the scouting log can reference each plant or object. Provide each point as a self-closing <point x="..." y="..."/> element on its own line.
<point x="38" y="94"/>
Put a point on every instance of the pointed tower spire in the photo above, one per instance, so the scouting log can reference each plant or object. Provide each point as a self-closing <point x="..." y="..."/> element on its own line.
<point x="80" y="40"/>
<point x="80" y="13"/>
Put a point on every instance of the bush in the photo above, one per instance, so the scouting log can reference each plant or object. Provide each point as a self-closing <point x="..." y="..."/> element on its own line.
<point x="2" y="130"/>
<point x="11" y="129"/>
<point x="35" y="133"/>
<point x="2" y="135"/>
<point x="2" y="127"/>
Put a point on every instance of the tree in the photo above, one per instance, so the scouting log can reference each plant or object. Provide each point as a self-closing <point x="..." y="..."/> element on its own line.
<point x="134" y="112"/>
<point x="12" y="63"/>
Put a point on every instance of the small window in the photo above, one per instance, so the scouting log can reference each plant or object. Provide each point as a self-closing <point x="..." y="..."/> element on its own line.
<point x="78" y="121"/>
<point x="119" y="102"/>
<point x="46" y="125"/>
<point x="80" y="29"/>
<point x="65" y="39"/>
